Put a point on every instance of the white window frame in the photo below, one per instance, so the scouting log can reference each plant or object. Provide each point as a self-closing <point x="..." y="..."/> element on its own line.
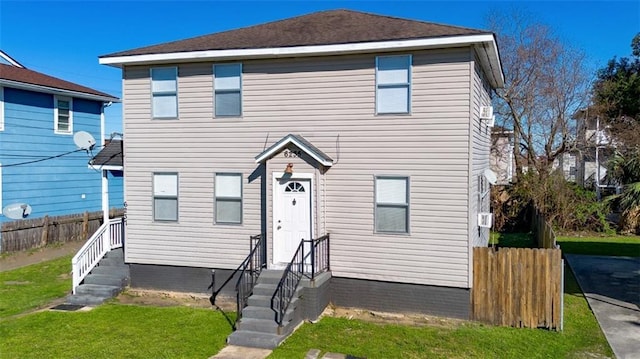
<point x="159" y="196"/>
<point x="56" y="115"/>
<point x="164" y="93"/>
<point x="1" y="110"/>
<point x="218" y="198"/>
<point x="406" y="204"/>
<point x="238" y="90"/>
<point x="406" y="84"/>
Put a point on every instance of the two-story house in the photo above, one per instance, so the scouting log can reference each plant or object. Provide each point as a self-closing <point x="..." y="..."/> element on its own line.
<point x="40" y="164"/>
<point x="360" y="126"/>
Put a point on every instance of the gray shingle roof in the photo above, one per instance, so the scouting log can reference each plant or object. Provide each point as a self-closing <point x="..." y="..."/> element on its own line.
<point x="110" y="155"/>
<point x="320" y="28"/>
<point x="22" y="75"/>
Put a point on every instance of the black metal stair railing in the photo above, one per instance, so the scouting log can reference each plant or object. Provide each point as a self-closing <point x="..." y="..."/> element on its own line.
<point x="295" y="270"/>
<point x="248" y="272"/>
<point x="288" y="284"/>
<point x="319" y="255"/>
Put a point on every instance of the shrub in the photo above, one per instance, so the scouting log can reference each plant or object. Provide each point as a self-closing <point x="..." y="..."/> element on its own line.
<point x="565" y="205"/>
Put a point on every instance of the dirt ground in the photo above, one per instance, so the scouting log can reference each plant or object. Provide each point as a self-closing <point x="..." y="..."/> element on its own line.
<point x="164" y="299"/>
<point x="9" y="261"/>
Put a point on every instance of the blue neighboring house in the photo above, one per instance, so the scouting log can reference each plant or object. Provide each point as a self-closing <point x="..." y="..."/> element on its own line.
<point x="39" y="162"/>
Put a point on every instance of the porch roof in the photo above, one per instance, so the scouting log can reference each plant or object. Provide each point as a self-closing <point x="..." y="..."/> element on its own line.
<point x="110" y="157"/>
<point x="299" y="142"/>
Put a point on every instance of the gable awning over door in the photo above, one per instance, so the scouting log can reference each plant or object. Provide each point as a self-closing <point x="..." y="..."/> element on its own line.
<point x="299" y="142"/>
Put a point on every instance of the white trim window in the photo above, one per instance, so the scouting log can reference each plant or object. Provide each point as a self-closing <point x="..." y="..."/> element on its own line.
<point x="227" y="84"/>
<point x="1" y="108"/>
<point x="228" y="196"/>
<point x="63" y="115"/>
<point x="164" y="92"/>
<point x="165" y="197"/>
<point x="392" y="204"/>
<point x="393" y="84"/>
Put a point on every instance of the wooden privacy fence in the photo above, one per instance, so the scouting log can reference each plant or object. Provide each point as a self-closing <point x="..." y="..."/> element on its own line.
<point x="38" y="232"/>
<point x="542" y="230"/>
<point x="518" y="287"/>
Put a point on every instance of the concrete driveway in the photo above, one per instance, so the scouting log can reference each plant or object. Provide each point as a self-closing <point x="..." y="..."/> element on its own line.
<point x="612" y="288"/>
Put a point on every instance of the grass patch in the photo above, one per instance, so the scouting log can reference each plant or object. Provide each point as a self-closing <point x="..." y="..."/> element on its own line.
<point x="115" y="331"/>
<point x="513" y="240"/>
<point x="581" y="338"/>
<point x="605" y="246"/>
<point x="34" y="286"/>
<point x="592" y="245"/>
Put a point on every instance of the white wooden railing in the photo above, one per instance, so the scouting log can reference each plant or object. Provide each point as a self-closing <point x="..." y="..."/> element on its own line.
<point x="109" y="236"/>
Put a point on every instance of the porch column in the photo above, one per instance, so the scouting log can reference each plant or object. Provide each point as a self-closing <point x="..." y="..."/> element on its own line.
<point x="105" y="205"/>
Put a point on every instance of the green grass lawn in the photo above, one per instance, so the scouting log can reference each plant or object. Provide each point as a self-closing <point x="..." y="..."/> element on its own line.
<point x="33" y="286"/>
<point x="581" y="338"/>
<point x="118" y="331"/>
<point x="115" y="331"/>
<point x="628" y="246"/>
<point x="591" y="245"/>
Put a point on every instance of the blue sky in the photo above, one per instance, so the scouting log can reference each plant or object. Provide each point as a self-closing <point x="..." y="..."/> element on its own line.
<point x="65" y="38"/>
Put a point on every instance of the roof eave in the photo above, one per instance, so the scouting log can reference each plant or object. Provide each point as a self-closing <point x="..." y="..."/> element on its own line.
<point x="106" y="167"/>
<point x="282" y="143"/>
<point x="57" y="91"/>
<point x="487" y="40"/>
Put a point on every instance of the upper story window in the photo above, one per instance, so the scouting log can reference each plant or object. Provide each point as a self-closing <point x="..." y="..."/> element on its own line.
<point x="63" y="115"/>
<point x="392" y="204"/>
<point x="164" y="92"/>
<point x="1" y="108"/>
<point x="393" y="84"/>
<point x="227" y="84"/>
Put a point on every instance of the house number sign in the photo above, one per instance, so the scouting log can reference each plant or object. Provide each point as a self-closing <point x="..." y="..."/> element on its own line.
<point x="292" y="153"/>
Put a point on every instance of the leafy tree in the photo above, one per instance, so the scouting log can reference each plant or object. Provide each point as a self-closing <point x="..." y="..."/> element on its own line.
<point x="616" y="95"/>
<point x="624" y="167"/>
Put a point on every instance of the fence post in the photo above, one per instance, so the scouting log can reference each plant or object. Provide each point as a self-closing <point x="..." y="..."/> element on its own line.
<point x="122" y="232"/>
<point x="44" y="238"/>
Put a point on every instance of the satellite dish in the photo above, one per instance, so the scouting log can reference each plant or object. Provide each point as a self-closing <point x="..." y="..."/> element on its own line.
<point x="17" y="210"/>
<point x="490" y="176"/>
<point x="84" y="140"/>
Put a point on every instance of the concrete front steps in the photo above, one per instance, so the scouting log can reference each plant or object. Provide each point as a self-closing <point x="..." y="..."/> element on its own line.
<point x="105" y="281"/>
<point x="257" y="328"/>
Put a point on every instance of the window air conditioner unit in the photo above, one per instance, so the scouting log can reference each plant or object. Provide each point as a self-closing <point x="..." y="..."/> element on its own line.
<point x="486" y="112"/>
<point x="485" y="219"/>
<point x="492" y="121"/>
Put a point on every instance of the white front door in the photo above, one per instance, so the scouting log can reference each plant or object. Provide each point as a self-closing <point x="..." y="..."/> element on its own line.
<point x="291" y="217"/>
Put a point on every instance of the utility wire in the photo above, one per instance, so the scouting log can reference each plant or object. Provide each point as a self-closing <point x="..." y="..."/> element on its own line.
<point x="42" y="159"/>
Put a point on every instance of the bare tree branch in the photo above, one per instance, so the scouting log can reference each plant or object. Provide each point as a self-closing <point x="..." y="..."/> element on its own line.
<point x="546" y="82"/>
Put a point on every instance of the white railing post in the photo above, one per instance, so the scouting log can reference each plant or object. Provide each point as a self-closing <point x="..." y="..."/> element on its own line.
<point x="75" y="275"/>
<point x="106" y="236"/>
<point x="96" y="247"/>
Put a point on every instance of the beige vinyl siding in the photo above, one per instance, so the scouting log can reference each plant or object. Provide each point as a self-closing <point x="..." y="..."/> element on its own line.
<point x="481" y="143"/>
<point x="331" y="102"/>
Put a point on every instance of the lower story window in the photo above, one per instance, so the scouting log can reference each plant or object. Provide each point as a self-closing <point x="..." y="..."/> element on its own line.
<point x="392" y="204"/>
<point x="165" y="197"/>
<point x="228" y="192"/>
